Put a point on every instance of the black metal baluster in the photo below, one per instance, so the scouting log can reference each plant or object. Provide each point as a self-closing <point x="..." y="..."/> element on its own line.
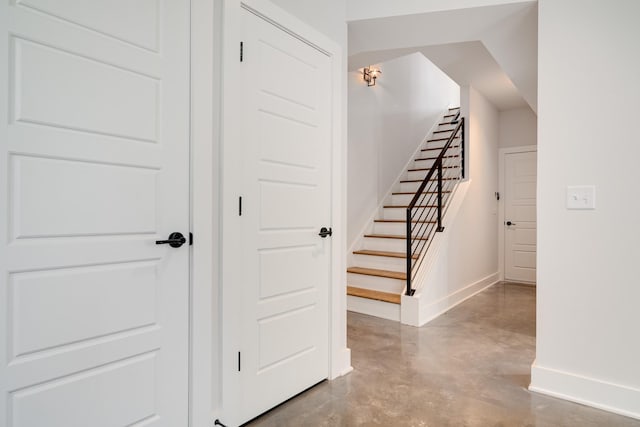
<point x="409" y="291"/>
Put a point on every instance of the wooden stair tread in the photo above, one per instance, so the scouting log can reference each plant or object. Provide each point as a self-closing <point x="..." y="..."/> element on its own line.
<point x="400" y="275"/>
<point x="406" y="206"/>
<point x="441" y="139"/>
<point x="420" y="180"/>
<point x="375" y="295"/>
<point x="435" y="158"/>
<point x="425" y="192"/>
<point x="439" y="148"/>
<point x="383" y="253"/>
<point x="427" y="169"/>
<point x="393" y="236"/>
<point x="403" y="221"/>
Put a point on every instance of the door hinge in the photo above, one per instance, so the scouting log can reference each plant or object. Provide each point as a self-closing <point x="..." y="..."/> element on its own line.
<point x="240" y="206"/>
<point x="238" y="361"/>
<point x="190" y="239"/>
<point x="241" y="51"/>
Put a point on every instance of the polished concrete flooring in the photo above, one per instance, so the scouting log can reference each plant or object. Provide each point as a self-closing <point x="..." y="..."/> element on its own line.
<point x="469" y="367"/>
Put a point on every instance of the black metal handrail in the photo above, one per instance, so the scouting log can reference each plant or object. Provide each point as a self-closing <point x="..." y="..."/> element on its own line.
<point x="420" y="214"/>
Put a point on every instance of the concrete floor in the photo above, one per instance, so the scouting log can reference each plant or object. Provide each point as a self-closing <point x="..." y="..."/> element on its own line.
<point x="469" y="367"/>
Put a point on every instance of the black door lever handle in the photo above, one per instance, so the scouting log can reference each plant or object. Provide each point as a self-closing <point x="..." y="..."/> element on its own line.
<point x="175" y="240"/>
<point x="324" y="232"/>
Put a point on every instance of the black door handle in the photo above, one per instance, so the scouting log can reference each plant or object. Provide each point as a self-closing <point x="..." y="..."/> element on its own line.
<point x="324" y="232"/>
<point x="510" y="223"/>
<point x="175" y="240"/>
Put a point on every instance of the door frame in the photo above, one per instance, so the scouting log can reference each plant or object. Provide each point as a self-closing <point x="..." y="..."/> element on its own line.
<point x="502" y="154"/>
<point x="215" y="119"/>
<point x="204" y="319"/>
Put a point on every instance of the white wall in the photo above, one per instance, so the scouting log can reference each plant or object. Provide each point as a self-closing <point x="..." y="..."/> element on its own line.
<point x="588" y="342"/>
<point x="387" y="122"/>
<point x="517" y="127"/>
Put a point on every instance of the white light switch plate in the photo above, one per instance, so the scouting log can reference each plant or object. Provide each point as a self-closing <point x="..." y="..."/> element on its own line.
<point x="581" y="197"/>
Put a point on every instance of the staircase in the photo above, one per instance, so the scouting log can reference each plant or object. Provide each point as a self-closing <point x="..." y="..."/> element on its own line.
<point x="377" y="276"/>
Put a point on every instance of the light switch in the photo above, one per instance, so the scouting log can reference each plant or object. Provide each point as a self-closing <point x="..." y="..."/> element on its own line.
<point x="581" y="197"/>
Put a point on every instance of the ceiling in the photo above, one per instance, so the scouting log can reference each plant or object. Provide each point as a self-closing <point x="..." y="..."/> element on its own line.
<point x="492" y="48"/>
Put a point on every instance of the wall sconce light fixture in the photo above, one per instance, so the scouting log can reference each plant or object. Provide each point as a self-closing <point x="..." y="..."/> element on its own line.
<point x="370" y="75"/>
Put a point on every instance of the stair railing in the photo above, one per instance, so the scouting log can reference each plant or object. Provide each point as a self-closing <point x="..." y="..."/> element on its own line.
<point x="428" y="206"/>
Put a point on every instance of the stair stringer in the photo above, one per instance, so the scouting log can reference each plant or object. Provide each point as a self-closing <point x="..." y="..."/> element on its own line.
<point x="358" y="242"/>
<point x="423" y="306"/>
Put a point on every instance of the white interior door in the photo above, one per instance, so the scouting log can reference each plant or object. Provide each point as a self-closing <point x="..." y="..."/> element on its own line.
<point x="286" y="200"/>
<point x="520" y="216"/>
<point x="94" y="150"/>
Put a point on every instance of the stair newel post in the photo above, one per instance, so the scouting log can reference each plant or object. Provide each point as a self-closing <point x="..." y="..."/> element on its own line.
<point x="462" y="139"/>
<point x="409" y="291"/>
<point x="440" y="227"/>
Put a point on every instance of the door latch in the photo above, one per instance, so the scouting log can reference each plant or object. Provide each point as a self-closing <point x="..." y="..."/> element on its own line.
<point x="324" y="232"/>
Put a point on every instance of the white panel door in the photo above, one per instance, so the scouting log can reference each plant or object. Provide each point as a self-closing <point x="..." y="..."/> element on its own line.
<point x="286" y="201"/>
<point x="520" y="217"/>
<point x="94" y="159"/>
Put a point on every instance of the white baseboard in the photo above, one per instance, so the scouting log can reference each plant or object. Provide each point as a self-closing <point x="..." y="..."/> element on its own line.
<point x="429" y="310"/>
<point x="611" y="397"/>
<point x="384" y="310"/>
<point x="343" y="365"/>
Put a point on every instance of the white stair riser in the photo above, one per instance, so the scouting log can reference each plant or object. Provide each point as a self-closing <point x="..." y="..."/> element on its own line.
<point x="383" y="284"/>
<point x="421" y="175"/>
<point x="439" y="138"/>
<point x="395" y="228"/>
<point x="389" y="213"/>
<point x="424" y="164"/>
<point x="429" y="156"/>
<point x="447" y="134"/>
<point x="424" y="229"/>
<point x="380" y="262"/>
<point x="380" y="244"/>
<point x="400" y="213"/>
<point x="408" y="187"/>
<point x="411" y="187"/>
<point x="438" y="145"/>
<point x="405" y="199"/>
<point x="401" y="199"/>
<point x="447" y="127"/>
<point x="417" y="174"/>
<point x="384" y="310"/>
